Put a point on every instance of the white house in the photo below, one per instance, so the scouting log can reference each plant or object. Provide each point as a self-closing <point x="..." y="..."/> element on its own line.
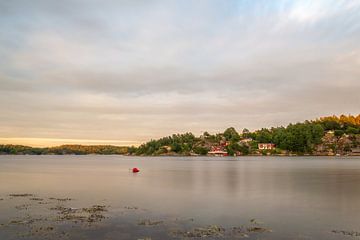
<point x="266" y="146"/>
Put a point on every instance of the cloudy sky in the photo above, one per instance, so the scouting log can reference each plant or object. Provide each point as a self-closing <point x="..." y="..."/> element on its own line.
<point x="123" y="72"/>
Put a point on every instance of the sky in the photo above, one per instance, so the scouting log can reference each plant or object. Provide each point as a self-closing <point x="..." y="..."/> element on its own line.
<point x="124" y="72"/>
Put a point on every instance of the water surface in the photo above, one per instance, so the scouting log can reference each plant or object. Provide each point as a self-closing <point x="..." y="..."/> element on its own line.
<point x="297" y="198"/>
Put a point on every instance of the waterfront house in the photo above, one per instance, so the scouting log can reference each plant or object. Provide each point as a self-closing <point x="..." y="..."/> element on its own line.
<point x="266" y="146"/>
<point x="218" y="151"/>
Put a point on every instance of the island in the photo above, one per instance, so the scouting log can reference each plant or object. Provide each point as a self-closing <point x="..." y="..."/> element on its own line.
<point x="325" y="136"/>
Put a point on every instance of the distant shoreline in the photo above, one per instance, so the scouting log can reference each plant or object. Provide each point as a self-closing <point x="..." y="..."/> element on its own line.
<point x="194" y="156"/>
<point x="326" y="136"/>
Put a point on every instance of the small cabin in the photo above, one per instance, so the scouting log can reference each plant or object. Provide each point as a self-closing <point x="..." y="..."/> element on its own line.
<point x="266" y="146"/>
<point x="217" y="151"/>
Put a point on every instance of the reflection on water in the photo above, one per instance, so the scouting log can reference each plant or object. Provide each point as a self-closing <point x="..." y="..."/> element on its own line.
<point x="301" y="198"/>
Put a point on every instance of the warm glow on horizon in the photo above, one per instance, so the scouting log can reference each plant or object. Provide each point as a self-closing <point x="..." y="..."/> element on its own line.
<point x="51" y="142"/>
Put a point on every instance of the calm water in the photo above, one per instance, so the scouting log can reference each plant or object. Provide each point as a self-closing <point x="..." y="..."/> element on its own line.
<point x="298" y="198"/>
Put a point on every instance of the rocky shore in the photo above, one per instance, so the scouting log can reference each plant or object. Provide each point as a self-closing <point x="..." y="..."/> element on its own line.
<point x="39" y="217"/>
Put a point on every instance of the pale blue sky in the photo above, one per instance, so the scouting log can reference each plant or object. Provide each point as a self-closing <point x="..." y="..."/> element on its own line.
<point x="128" y="71"/>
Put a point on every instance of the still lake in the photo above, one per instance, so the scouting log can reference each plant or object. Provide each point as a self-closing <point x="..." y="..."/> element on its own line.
<point x="289" y="197"/>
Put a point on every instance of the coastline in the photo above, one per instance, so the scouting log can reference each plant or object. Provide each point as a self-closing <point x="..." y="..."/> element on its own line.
<point x="178" y="155"/>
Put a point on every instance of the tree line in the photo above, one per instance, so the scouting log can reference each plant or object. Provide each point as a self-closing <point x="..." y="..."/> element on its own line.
<point x="298" y="138"/>
<point x="62" y="150"/>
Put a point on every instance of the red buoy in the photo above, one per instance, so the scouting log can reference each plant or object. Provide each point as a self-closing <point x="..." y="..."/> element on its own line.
<point x="135" y="170"/>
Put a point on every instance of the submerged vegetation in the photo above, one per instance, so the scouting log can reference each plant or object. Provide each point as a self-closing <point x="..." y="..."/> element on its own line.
<point x="324" y="136"/>
<point x="58" y="219"/>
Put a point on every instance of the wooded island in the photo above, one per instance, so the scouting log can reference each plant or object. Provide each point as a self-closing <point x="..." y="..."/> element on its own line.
<point x="333" y="135"/>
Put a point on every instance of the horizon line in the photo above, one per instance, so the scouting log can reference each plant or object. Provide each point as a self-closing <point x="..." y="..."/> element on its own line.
<point x="53" y="142"/>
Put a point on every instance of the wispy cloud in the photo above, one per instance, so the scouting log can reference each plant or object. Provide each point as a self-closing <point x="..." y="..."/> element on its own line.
<point x="134" y="70"/>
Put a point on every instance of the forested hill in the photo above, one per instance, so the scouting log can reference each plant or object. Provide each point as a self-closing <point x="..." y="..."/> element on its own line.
<point x="324" y="136"/>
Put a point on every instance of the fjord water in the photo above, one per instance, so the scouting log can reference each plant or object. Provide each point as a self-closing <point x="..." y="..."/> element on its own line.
<point x="297" y="197"/>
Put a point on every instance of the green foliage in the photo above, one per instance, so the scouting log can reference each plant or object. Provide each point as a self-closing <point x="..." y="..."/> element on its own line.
<point x="206" y="134"/>
<point x="201" y="150"/>
<point x="178" y="143"/>
<point x="339" y="133"/>
<point x="264" y="135"/>
<point x="64" y="149"/>
<point x="352" y="130"/>
<point x="331" y="125"/>
<point x="176" y="147"/>
<point x="245" y="133"/>
<point x="231" y="135"/>
<point x="19" y="149"/>
<point x="298" y="138"/>
<point x="132" y="150"/>
<point x="232" y="148"/>
<point x="245" y="150"/>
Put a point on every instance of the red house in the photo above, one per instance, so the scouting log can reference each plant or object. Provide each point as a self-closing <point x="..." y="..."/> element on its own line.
<point x="218" y="151"/>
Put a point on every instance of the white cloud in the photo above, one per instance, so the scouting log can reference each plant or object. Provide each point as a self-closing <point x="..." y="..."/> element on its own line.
<point x="136" y="71"/>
